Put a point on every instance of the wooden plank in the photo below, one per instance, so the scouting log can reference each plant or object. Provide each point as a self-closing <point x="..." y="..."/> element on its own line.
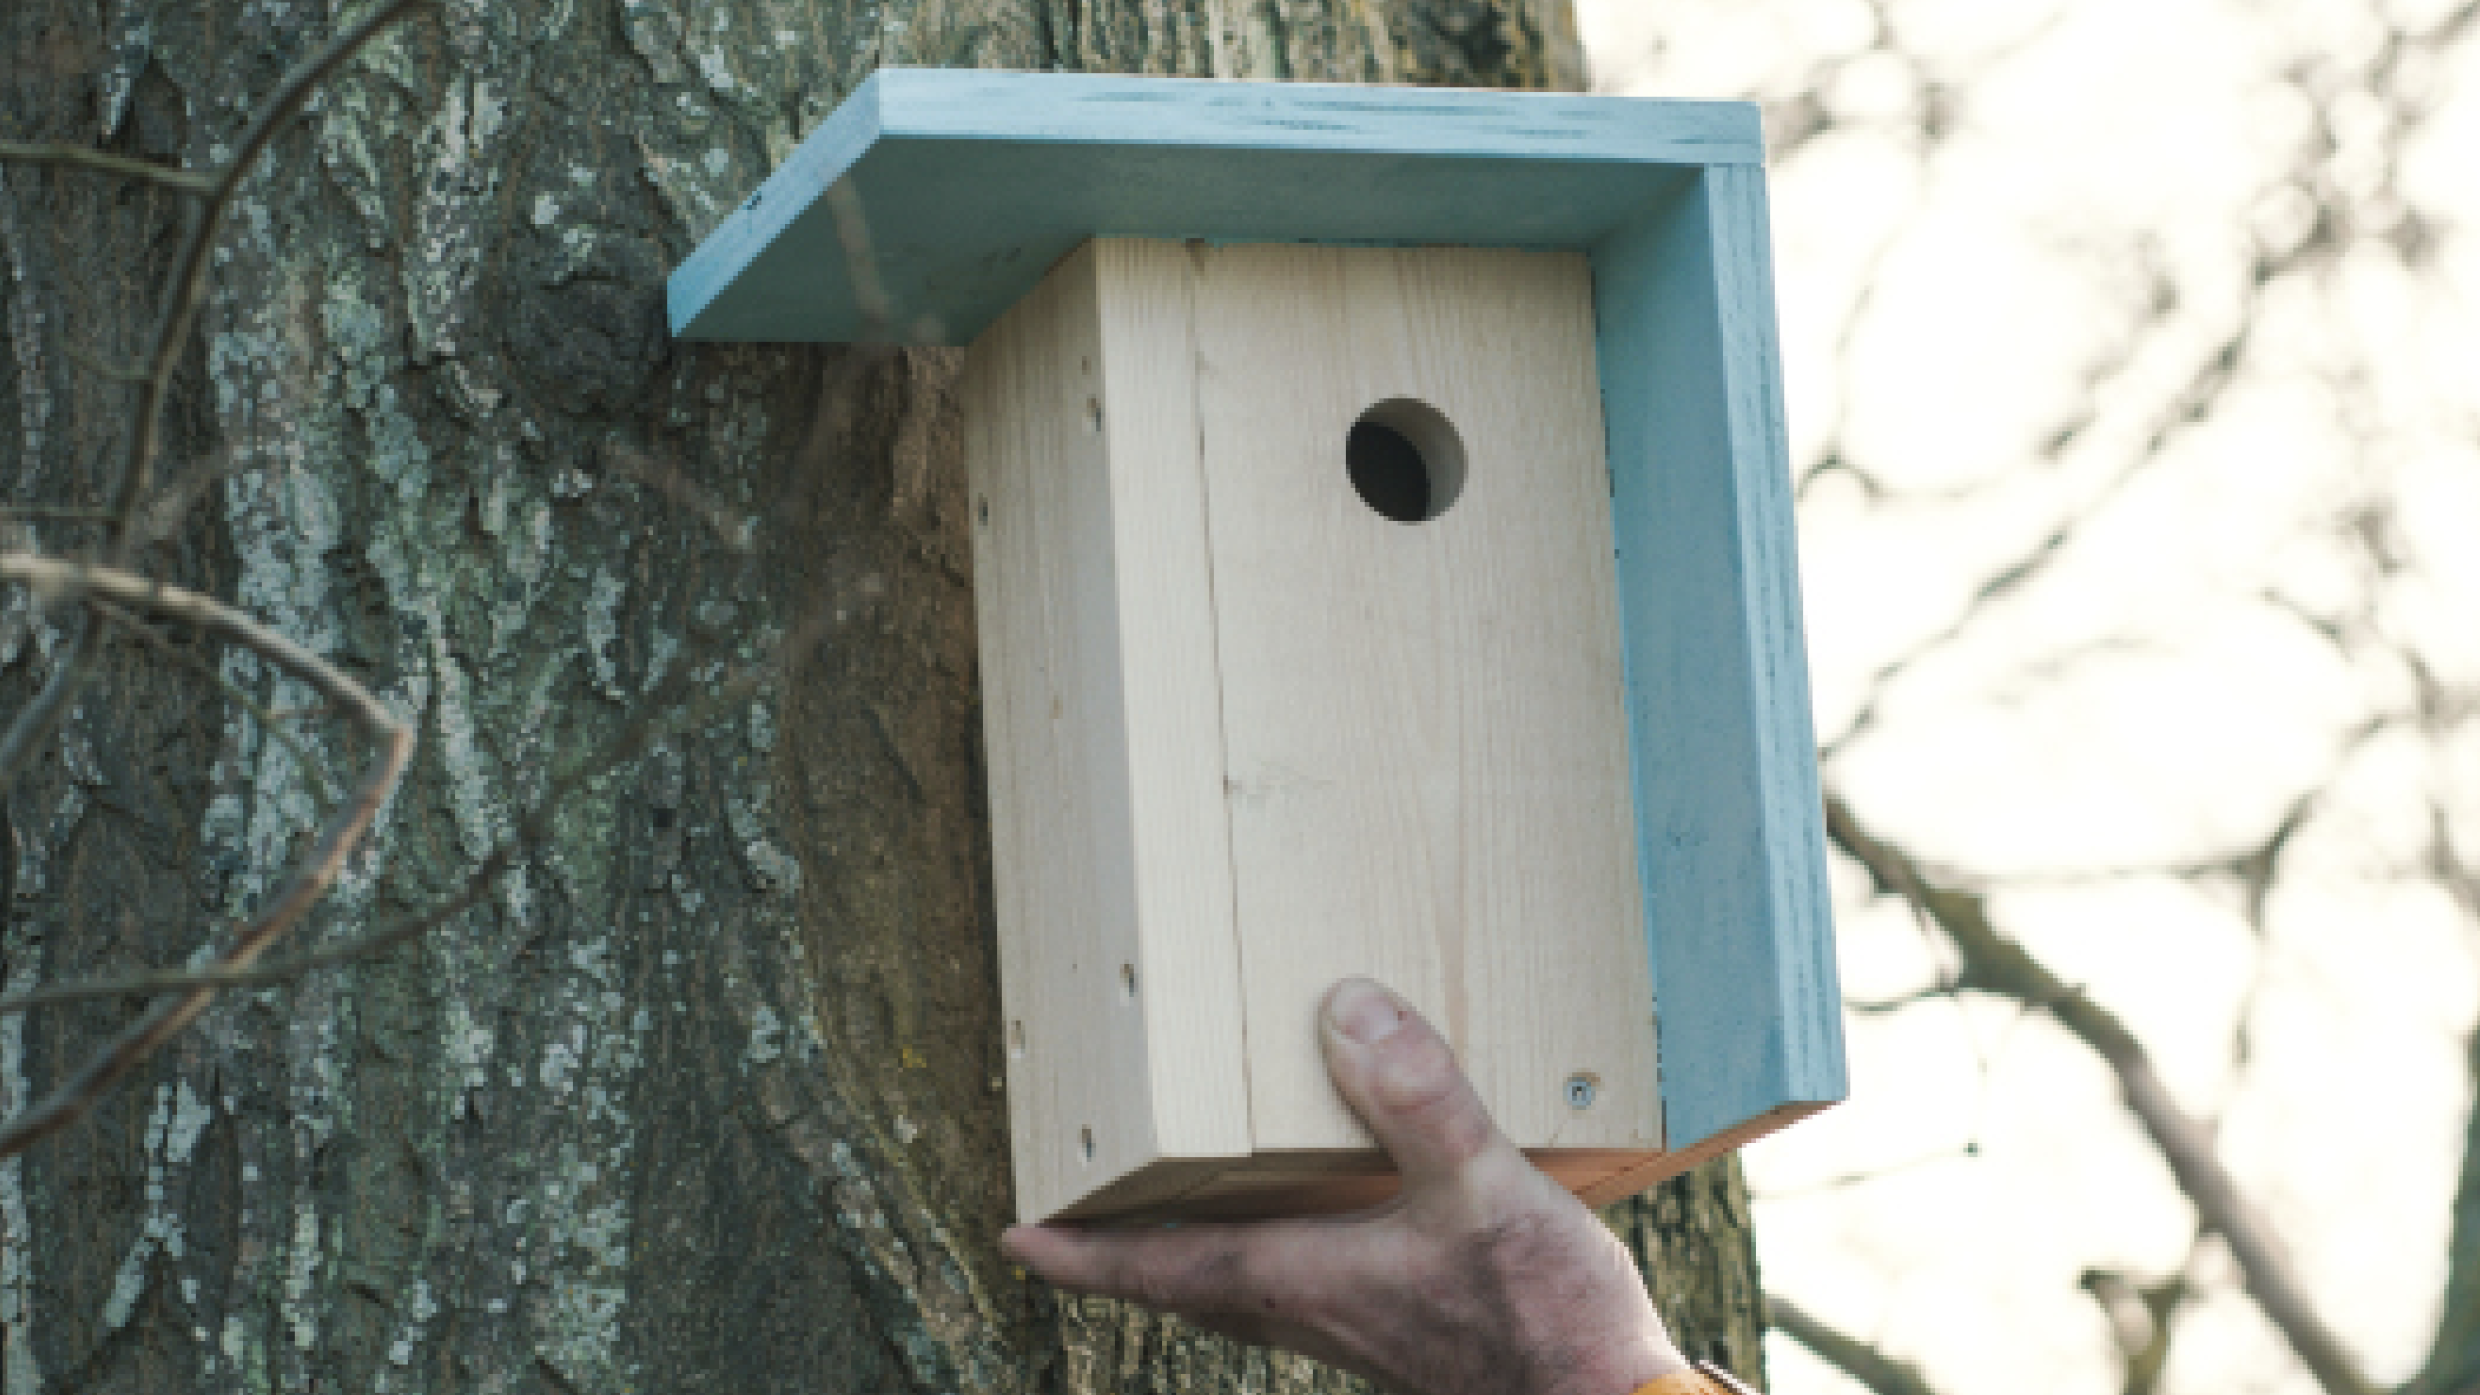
<point x="1729" y="817"/>
<point x="956" y="190"/>
<point x="1423" y="722"/>
<point x="1055" y="736"/>
<point x="1198" y="115"/>
<point x="1119" y="967"/>
<point x="1188" y="967"/>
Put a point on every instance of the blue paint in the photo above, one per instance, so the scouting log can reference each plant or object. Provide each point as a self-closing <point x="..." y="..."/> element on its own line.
<point x="969" y="186"/>
<point x="972" y="184"/>
<point x="1730" y="822"/>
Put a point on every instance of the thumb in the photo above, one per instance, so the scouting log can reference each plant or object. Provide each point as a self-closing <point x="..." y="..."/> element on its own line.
<point x="1401" y="1078"/>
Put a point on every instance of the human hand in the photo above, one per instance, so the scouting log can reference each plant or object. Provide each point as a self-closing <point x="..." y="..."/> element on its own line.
<point x="1481" y="1277"/>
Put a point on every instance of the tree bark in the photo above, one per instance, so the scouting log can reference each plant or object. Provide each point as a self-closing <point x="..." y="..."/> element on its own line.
<point x="2453" y="1364"/>
<point x="707" y="1097"/>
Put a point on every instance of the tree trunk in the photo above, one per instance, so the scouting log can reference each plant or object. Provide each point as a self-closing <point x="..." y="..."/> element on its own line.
<point x="706" y="1096"/>
<point x="2453" y="1364"/>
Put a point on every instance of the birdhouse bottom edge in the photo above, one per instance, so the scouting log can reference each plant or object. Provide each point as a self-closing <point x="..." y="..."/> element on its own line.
<point x="1321" y="1182"/>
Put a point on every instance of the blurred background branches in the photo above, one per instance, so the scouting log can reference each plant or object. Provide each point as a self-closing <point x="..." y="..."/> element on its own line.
<point x="2136" y="404"/>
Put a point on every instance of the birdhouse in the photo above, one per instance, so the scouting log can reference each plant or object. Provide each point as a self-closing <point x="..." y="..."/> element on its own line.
<point x="1383" y="562"/>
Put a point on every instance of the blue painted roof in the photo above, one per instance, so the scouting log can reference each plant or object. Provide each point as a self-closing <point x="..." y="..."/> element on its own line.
<point x="932" y="199"/>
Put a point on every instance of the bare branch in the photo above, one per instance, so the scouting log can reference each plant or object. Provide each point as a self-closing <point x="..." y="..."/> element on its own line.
<point x="189" y="279"/>
<point x="179" y="181"/>
<point x="1994" y="963"/>
<point x="302" y="890"/>
<point x="1886" y="1007"/>
<point x="1845" y="1353"/>
<point x="40" y="719"/>
<point x="42" y="715"/>
<point x="1969" y="1148"/>
<point x="39" y="513"/>
<point x="2140" y="1318"/>
<point x="622" y="749"/>
<point x="311" y="768"/>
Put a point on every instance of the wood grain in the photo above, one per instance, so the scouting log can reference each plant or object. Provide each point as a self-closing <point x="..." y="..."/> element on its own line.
<point x="1188" y="965"/>
<point x="1113" y="905"/>
<point x="1277" y="738"/>
<point x="1729" y="813"/>
<point x="969" y="186"/>
<point x="1423" y="722"/>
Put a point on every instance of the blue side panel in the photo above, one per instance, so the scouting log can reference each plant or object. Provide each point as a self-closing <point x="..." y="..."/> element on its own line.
<point x="1729" y="817"/>
<point x="762" y="240"/>
<point x="952" y="192"/>
<point x="1194" y="115"/>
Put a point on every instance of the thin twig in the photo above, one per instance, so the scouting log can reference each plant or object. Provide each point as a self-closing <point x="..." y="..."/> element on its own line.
<point x="311" y="767"/>
<point x="42" y="715"/>
<point x="104" y="368"/>
<point x="622" y="749"/>
<point x="1848" y="1354"/>
<point x="309" y="881"/>
<point x="192" y="182"/>
<point x="180" y="309"/>
<point x="45" y="513"/>
<point x="1962" y="1152"/>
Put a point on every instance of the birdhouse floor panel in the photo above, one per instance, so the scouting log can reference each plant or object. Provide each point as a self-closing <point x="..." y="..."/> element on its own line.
<point x="1311" y="1184"/>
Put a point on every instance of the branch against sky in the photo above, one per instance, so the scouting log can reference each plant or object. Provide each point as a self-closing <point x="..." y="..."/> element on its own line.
<point x="2223" y="386"/>
<point x="1992" y="962"/>
<point x="1855" y="1358"/>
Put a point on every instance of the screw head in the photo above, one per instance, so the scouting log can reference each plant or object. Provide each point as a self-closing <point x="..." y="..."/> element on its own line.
<point x="1581" y="1088"/>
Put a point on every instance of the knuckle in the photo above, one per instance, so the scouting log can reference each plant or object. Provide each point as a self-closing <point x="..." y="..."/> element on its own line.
<point x="1426" y="1090"/>
<point x="1418" y="1075"/>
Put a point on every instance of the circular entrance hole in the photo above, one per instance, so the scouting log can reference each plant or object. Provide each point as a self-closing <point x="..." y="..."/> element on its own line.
<point x="1405" y="460"/>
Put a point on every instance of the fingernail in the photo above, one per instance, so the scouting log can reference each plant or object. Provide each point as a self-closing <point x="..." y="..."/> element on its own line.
<point x="1364" y="1012"/>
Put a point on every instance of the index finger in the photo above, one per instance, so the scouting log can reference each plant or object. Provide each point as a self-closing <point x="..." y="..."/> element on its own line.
<point x="1262" y="1270"/>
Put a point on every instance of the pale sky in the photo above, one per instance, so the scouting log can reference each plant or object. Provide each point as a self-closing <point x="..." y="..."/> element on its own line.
<point x="2076" y="245"/>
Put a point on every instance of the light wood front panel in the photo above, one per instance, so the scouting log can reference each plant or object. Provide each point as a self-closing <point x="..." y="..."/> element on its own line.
<point x="1423" y="725"/>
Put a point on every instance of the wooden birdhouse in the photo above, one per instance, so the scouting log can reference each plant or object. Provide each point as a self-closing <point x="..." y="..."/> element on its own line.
<point x="1383" y="559"/>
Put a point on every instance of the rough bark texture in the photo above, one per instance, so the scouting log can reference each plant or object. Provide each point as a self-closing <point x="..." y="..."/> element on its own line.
<point x="709" y="1099"/>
